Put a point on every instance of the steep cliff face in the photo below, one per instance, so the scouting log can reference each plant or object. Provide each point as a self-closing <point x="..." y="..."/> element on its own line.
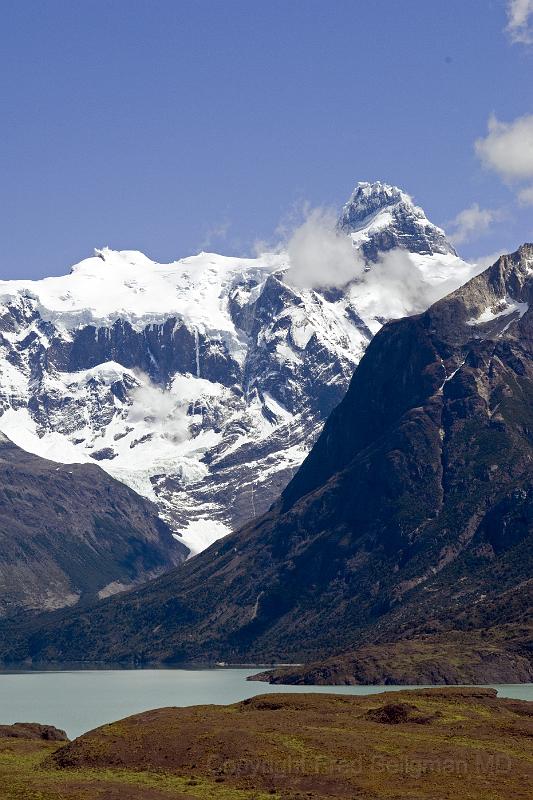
<point x="412" y="515"/>
<point x="202" y="384"/>
<point x="72" y="533"/>
<point x="379" y="218"/>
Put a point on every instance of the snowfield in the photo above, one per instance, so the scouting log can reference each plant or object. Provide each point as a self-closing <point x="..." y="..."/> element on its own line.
<point x="203" y="383"/>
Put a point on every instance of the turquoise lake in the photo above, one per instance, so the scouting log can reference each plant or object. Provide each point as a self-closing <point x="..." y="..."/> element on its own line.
<point x="83" y="699"/>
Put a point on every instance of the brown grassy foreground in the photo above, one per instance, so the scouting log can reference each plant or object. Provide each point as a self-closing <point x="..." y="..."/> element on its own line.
<point x="438" y="744"/>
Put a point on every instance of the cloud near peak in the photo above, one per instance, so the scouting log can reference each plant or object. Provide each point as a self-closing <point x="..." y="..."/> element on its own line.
<point x="471" y="223"/>
<point x="395" y="286"/>
<point x="508" y="150"/>
<point x="319" y="255"/>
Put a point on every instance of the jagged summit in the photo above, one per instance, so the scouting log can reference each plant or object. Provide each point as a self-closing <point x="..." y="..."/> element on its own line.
<point x="369" y="197"/>
<point x="380" y="217"/>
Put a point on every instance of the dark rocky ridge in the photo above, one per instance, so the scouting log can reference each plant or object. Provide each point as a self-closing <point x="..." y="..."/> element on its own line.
<point x="70" y="532"/>
<point x="411" y="516"/>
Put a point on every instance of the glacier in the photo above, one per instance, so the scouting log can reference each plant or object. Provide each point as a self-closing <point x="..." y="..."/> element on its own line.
<point x="203" y="383"/>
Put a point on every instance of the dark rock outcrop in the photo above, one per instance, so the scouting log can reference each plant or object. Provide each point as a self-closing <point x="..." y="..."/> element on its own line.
<point x="33" y="730"/>
<point x="493" y="655"/>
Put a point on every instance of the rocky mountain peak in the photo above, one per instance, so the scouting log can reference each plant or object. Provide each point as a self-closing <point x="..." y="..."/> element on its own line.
<point x="202" y="383"/>
<point x="489" y="304"/>
<point x="520" y="261"/>
<point x="514" y="272"/>
<point x="367" y="198"/>
<point x="380" y="217"/>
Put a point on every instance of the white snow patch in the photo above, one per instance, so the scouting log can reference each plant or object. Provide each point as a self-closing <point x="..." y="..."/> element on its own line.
<point x="502" y="309"/>
<point x="383" y="219"/>
<point x="127" y="285"/>
<point x="201" y="533"/>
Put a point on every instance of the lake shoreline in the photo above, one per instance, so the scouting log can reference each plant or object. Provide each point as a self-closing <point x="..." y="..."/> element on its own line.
<point x="80" y="700"/>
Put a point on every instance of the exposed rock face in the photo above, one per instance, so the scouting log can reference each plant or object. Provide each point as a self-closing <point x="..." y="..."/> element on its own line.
<point x="33" y="730"/>
<point x="380" y="218"/>
<point x="71" y="533"/>
<point x="201" y="384"/>
<point x="411" y="515"/>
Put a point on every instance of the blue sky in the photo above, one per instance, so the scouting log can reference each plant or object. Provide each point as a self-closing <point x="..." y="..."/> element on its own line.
<point x="172" y="126"/>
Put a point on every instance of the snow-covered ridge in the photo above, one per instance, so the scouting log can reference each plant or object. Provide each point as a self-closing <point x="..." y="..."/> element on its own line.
<point x="128" y="285"/>
<point x="203" y="383"/>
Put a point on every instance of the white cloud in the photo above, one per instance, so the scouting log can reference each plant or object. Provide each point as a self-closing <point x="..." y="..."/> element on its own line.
<point x="525" y="196"/>
<point x="319" y="255"/>
<point x="487" y="261"/>
<point x="519" y="21"/>
<point x="161" y="408"/>
<point x="508" y="148"/>
<point x="397" y="287"/>
<point x="472" y="222"/>
<point x="393" y="287"/>
<point x="215" y="234"/>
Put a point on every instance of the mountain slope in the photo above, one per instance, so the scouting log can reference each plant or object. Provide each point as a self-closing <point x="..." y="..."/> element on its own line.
<point x="202" y="384"/>
<point x="499" y="654"/>
<point x="413" y="513"/>
<point x="72" y="533"/>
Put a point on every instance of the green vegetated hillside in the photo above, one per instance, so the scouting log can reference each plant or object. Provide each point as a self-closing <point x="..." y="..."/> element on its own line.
<point x="445" y="743"/>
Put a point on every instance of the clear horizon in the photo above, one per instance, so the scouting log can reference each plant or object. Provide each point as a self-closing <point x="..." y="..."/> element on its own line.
<point x="174" y="127"/>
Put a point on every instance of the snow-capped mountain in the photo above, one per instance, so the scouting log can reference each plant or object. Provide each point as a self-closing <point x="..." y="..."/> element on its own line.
<point x="203" y="383"/>
<point x="379" y="217"/>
